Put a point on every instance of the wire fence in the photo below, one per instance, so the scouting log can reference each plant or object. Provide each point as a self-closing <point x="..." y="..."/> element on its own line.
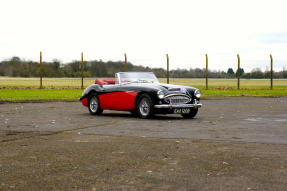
<point x="82" y="80"/>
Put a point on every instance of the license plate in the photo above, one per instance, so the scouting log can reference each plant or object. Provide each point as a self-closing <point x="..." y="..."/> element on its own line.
<point x="183" y="110"/>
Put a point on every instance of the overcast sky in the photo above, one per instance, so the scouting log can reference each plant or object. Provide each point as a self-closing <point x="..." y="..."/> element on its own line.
<point x="146" y="30"/>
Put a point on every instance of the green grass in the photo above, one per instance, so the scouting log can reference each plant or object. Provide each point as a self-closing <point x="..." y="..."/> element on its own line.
<point x="26" y="89"/>
<point x="13" y="95"/>
<point x="247" y="93"/>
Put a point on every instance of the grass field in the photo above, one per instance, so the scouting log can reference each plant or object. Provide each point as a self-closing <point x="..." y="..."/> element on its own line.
<point x="214" y="83"/>
<point x="27" y="89"/>
<point x="39" y="94"/>
<point x="12" y="95"/>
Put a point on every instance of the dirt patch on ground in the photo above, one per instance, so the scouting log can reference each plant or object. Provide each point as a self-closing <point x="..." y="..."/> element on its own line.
<point x="233" y="144"/>
<point x="72" y="161"/>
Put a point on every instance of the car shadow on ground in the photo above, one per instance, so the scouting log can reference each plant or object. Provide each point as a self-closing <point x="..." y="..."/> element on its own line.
<point x="155" y="117"/>
<point x="128" y="115"/>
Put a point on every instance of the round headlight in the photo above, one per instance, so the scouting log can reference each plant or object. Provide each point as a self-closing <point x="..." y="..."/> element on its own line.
<point x="197" y="93"/>
<point x="160" y="94"/>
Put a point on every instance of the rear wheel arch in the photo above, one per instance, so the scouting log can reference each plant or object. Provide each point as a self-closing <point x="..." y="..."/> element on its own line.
<point x="92" y="89"/>
<point x="91" y="92"/>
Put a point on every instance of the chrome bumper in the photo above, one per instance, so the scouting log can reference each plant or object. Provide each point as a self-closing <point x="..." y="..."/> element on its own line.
<point x="163" y="106"/>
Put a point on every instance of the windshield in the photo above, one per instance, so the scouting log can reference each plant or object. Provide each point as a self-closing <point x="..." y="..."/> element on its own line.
<point x="136" y="77"/>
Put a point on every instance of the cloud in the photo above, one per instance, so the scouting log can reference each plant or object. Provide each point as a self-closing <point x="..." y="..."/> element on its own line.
<point x="2" y="43"/>
<point x="272" y="38"/>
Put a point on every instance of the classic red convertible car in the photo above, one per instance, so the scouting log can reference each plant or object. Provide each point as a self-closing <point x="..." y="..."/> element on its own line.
<point x="142" y="94"/>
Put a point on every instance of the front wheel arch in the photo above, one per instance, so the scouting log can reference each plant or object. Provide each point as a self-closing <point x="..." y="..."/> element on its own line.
<point x="137" y="98"/>
<point x="141" y="93"/>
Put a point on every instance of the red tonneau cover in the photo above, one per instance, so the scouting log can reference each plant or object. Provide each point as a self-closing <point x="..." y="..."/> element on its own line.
<point x="105" y="81"/>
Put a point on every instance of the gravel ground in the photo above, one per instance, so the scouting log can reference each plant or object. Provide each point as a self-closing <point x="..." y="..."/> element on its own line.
<point x="232" y="144"/>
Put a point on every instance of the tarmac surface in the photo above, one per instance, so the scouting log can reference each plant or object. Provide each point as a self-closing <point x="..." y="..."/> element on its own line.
<point x="260" y="120"/>
<point x="232" y="144"/>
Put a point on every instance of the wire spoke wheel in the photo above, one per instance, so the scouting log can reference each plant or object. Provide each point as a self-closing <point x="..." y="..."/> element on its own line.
<point x="144" y="107"/>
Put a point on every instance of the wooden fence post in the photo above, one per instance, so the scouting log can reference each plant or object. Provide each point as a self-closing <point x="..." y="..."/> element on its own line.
<point x="271" y="72"/>
<point x="206" y="72"/>
<point x="126" y="67"/>
<point x="82" y="70"/>
<point x="238" y="72"/>
<point x="167" y="68"/>
<point x="41" y="70"/>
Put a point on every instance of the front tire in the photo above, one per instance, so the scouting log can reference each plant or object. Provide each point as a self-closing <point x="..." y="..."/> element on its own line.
<point x="145" y="106"/>
<point x="94" y="104"/>
<point x="191" y="114"/>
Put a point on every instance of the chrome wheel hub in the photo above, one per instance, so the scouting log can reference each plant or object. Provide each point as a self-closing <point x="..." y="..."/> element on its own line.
<point x="94" y="104"/>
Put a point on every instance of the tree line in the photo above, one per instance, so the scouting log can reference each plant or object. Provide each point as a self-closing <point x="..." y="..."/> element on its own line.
<point x="16" y="67"/>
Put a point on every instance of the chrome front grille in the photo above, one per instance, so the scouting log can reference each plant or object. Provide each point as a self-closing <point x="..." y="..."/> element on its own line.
<point x="177" y="99"/>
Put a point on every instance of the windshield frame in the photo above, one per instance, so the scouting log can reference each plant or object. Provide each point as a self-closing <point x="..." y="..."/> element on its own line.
<point x="119" y="82"/>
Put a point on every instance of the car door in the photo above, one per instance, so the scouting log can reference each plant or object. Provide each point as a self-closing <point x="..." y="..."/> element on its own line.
<point x="117" y="97"/>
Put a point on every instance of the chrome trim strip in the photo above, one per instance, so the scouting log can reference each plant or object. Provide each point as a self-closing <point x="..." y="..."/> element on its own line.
<point x="198" y="105"/>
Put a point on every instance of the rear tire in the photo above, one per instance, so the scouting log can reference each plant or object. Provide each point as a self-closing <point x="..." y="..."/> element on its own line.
<point x="94" y="104"/>
<point x="191" y="114"/>
<point x="145" y="106"/>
